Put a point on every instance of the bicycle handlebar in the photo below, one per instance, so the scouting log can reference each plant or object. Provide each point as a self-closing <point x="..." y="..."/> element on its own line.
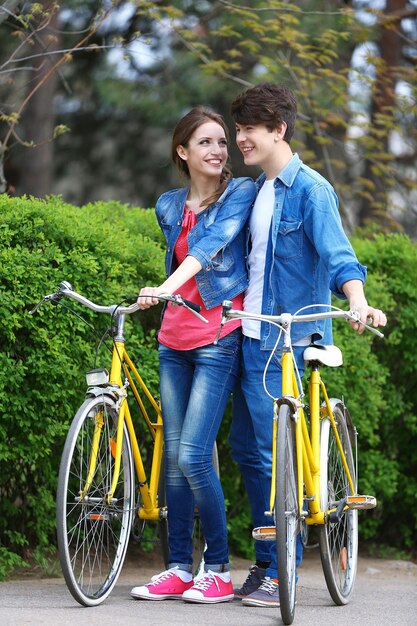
<point x="286" y="319"/>
<point x="65" y="290"/>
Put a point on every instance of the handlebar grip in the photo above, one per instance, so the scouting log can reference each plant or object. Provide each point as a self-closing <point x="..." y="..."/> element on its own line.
<point x="192" y="305"/>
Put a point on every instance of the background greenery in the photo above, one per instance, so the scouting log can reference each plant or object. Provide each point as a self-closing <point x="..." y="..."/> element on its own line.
<point x="90" y="92"/>
<point x="108" y="251"/>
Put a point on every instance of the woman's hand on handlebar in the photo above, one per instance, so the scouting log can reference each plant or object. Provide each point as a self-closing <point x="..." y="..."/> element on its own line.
<point x="147" y="297"/>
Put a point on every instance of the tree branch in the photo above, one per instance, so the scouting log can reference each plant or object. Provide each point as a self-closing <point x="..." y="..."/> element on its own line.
<point x="80" y="45"/>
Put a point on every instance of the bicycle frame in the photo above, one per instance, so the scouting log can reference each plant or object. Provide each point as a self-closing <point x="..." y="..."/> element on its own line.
<point x="307" y="440"/>
<point x="121" y="362"/>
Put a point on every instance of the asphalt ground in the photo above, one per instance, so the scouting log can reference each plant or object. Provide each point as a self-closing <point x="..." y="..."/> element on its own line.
<point x="385" y="593"/>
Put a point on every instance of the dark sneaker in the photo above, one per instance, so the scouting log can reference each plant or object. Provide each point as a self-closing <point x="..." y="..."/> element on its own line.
<point x="253" y="581"/>
<point x="266" y="595"/>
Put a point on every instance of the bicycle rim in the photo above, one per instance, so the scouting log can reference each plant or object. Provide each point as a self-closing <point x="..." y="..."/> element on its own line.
<point x="286" y="513"/>
<point x="92" y="534"/>
<point x="339" y="540"/>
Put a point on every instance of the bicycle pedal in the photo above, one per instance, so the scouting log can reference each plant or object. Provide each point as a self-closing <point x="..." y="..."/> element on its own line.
<point x="264" y="533"/>
<point x="361" y="502"/>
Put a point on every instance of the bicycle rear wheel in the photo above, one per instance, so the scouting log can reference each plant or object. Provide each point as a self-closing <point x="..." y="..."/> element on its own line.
<point x="92" y="534"/>
<point x="338" y="540"/>
<point x="286" y="512"/>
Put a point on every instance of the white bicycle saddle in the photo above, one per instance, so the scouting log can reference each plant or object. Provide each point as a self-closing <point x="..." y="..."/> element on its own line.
<point x="327" y="355"/>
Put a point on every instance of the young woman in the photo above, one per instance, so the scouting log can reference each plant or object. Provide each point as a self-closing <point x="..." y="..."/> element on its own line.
<point x="204" y="226"/>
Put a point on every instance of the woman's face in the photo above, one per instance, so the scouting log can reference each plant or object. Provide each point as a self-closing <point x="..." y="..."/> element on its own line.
<point x="206" y="152"/>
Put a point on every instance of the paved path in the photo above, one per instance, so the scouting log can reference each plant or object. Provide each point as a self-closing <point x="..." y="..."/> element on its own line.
<point x="385" y="593"/>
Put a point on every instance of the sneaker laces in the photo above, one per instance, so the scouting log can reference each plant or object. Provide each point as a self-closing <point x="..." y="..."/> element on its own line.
<point x="268" y="585"/>
<point x="205" y="581"/>
<point x="252" y="576"/>
<point x="161" y="577"/>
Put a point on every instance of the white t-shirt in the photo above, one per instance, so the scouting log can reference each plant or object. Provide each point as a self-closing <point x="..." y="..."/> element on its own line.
<point x="259" y="224"/>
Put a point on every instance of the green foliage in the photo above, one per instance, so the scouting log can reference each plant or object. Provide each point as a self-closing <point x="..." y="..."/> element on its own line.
<point x="394" y="259"/>
<point x="311" y="48"/>
<point x="107" y="251"/>
<point x="9" y="561"/>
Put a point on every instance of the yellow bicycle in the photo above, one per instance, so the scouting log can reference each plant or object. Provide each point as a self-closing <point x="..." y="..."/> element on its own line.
<point x="97" y="500"/>
<point x="314" y="469"/>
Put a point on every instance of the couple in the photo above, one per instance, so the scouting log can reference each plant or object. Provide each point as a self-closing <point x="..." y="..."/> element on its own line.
<point x="298" y="254"/>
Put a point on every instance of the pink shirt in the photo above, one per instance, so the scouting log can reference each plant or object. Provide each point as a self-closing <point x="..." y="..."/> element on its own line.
<point x="180" y="329"/>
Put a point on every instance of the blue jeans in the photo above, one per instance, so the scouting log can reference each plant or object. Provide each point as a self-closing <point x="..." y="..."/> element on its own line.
<point x="195" y="387"/>
<point x="251" y="437"/>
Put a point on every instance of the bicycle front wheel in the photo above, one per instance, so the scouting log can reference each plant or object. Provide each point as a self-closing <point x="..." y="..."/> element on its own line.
<point x="338" y="540"/>
<point x="93" y="533"/>
<point x="286" y="512"/>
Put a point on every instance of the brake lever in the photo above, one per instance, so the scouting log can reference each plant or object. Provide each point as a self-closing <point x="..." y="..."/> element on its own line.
<point x="179" y="300"/>
<point x="47" y="298"/>
<point x="200" y="317"/>
<point x="226" y="306"/>
<point x="355" y="317"/>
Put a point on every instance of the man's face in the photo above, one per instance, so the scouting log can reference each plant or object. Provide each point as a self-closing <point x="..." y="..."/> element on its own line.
<point x="257" y="144"/>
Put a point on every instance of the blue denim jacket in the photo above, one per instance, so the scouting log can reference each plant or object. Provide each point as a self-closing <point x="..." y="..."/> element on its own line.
<point x="218" y="240"/>
<point x="308" y="255"/>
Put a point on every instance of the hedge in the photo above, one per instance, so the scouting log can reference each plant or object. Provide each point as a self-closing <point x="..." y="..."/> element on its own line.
<point x="108" y="251"/>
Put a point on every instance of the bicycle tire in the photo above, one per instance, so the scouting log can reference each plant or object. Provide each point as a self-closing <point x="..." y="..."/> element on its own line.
<point x="287" y="517"/>
<point x="338" y="541"/>
<point x="93" y="535"/>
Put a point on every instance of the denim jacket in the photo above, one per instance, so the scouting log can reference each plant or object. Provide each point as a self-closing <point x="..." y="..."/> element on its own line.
<point x="217" y="241"/>
<point x="308" y="255"/>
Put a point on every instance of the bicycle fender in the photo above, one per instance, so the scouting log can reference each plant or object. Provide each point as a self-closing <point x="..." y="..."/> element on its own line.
<point x="95" y="392"/>
<point x="353" y="433"/>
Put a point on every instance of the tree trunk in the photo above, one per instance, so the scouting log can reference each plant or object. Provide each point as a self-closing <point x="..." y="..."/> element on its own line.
<point x="38" y="119"/>
<point x="382" y="105"/>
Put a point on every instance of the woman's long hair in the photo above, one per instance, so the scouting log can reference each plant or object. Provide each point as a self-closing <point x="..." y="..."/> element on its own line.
<point x="184" y="130"/>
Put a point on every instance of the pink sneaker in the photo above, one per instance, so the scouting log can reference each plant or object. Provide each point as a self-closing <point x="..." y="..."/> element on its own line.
<point x="165" y="586"/>
<point x="209" y="588"/>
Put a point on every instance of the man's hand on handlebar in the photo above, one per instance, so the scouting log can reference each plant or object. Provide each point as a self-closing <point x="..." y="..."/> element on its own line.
<point x="368" y="315"/>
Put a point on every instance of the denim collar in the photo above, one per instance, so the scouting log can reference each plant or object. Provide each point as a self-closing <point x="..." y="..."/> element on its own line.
<point x="182" y="194"/>
<point x="287" y="175"/>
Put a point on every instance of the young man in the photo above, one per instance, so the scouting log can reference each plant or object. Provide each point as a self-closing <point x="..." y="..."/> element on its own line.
<point x="299" y="254"/>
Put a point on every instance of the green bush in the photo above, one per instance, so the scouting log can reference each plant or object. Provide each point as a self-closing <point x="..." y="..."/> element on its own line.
<point x="108" y="251"/>
<point x="392" y="261"/>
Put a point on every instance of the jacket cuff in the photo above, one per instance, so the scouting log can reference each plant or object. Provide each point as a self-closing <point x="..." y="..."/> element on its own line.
<point x="198" y="254"/>
<point x="350" y="271"/>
